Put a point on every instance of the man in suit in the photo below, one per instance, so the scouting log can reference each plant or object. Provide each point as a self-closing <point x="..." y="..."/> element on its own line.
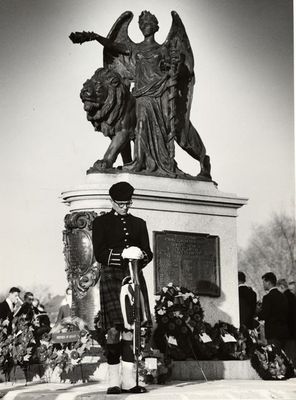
<point x="247" y="302"/>
<point x="291" y="299"/>
<point x="7" y="307"/>
<point x="114" y="232"/>
<point x="274" y="312"/>
<point x="65" y="308"/>
<point x="27" y="308"/>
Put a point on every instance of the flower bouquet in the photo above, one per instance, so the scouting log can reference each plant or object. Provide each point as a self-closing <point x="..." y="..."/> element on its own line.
<point x="17" y="345"/>
<point x="179" y="316"/>
<point x="271" y="363"/>
<point x="67" y="353"/>
<point x="154" y="367"/>
<point x="225" y="337"/>
<point x="205" y="348"/>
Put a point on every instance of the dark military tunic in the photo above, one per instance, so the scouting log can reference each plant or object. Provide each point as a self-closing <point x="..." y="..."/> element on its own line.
<point x="112" y="233"/>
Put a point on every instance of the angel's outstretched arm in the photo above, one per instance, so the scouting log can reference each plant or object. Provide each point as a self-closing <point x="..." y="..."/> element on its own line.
<point x="82" y="37"/>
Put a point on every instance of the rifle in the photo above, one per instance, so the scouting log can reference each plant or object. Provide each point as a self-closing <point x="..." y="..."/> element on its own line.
<point x="132" y="302"/>
<point x="133" y="266"/>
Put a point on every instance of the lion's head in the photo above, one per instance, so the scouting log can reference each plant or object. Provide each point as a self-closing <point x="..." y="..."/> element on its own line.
<point x="104" y="96"/>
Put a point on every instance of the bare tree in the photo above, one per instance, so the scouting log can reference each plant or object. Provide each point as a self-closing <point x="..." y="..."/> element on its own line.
<point x="41" y="292"/>
<point x="272" y="248"/>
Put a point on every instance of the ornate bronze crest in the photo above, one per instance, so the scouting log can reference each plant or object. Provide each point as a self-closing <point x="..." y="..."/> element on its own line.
<point x="81" y="267"/>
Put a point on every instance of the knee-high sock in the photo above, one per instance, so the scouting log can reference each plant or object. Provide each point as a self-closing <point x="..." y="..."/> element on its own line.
<point x="128" y="375"/>
<point x="113" y="375"/>
<point x="127" y="353"/>
<point x="113" y="353"/>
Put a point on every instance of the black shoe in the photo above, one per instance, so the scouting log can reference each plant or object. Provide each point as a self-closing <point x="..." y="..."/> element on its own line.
<point x="135" y="389"/>
<point x="114" y="390"/>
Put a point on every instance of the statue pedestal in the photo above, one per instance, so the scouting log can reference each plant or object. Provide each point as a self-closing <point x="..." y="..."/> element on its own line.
<point x="178" y="205"/>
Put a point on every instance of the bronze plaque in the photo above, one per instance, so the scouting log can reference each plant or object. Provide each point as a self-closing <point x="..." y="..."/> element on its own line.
<point x="186" y="259"/>
<point x="80" y="252"/>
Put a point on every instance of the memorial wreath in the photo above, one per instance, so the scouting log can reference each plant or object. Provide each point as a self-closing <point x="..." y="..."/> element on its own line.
<point x="272" y="363"/>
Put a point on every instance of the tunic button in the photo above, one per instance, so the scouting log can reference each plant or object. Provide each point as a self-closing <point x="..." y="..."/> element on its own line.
<point x="124" y="229"/>
<point x="125" y="240"/>
<point x="126" y="246"/>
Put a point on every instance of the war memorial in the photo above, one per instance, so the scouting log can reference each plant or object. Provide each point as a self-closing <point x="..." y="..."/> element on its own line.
<point x="140" y="98"/>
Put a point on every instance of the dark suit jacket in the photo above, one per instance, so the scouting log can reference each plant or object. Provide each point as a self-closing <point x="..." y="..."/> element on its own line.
<point x="291" y="298"/>
<point x="275" y="314"/>
<point x="5" y="311"/>
<point x="247" y="306"/>
<point x="27" y="310"/>
<point x="112" y="233"/>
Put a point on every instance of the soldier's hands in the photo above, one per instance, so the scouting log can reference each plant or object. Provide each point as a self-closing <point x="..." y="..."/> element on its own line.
<point x="132" y="253"/>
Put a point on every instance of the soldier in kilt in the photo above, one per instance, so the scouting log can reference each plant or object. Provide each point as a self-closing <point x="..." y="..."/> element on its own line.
<point x="112" y="233"/>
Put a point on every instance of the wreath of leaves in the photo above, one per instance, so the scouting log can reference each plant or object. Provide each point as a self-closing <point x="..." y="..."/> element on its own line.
<point x="17" y="344"/>
<point x="22" y="345"/>
<point x="179" y="315"/>
<point x="271" y="363"/>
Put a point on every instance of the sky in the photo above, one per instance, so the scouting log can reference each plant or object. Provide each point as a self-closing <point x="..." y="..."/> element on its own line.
<point x="242" y="107"/>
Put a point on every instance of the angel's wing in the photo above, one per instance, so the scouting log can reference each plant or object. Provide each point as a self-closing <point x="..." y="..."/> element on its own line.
<point x="177" y="40"/>
<point x="122" y="64"/>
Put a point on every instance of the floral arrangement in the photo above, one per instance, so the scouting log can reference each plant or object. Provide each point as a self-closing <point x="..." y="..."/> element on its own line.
<point x="271" y="363"/>
<point x="205" y="347"/>
<point x="226" y="336"/>
<point x="154" y="367"/>
<point x="17" y="344"/>
<point x="179" y="316"/>
<point x="22" y="345"/>
<point x="64" y="356"/>
<point x="183" y="334"/>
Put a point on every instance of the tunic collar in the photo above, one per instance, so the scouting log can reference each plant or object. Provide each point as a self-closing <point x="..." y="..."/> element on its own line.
<point x="113" y="212"/>
<point x="274" y="287"/>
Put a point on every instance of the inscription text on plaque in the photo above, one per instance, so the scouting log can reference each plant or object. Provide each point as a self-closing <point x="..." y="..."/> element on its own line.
<point x="187" y="259"/>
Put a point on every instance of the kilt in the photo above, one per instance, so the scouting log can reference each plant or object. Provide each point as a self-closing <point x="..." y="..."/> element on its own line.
<point x="110" y="288"/>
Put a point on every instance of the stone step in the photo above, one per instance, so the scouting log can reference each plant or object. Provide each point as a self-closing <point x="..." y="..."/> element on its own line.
<point x="194" y="390"/>
<point x="85" y="372"/>
<point x="92" y="371"/>
<point x="213" y="370"/>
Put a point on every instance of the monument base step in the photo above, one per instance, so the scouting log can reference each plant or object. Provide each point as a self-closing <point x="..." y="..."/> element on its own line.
<point x="181" y="370"/>
<point x="213" y="370"/>
<point x="84" y="372"/>
<point x="176" y="390"/>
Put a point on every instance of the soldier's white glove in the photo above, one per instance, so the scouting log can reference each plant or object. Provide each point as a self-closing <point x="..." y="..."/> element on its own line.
<point x="132" y="253"/>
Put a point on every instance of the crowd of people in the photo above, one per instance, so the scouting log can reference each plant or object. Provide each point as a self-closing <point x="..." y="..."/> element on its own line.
<point x="277" y="310"/>
<point x="32" y="310"/>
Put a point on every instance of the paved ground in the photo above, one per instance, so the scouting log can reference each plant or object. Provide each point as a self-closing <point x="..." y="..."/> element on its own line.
<point x="198" y="390"/>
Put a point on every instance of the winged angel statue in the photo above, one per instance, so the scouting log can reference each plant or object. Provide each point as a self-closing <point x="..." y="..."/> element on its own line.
<point x="144" y="94"/>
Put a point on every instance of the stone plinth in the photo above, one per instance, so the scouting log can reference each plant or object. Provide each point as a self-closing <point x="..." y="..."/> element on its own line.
<point x="176" y="205"/>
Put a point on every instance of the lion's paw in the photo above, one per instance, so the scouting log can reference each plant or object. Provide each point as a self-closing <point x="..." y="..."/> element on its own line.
<point x="99" y="166"/>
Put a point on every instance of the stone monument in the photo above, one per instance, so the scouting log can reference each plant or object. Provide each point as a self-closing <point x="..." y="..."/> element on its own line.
<point x="142" y="95"/>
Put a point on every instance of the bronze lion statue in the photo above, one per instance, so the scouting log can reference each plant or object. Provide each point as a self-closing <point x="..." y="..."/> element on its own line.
<point x="110" y="107"/>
